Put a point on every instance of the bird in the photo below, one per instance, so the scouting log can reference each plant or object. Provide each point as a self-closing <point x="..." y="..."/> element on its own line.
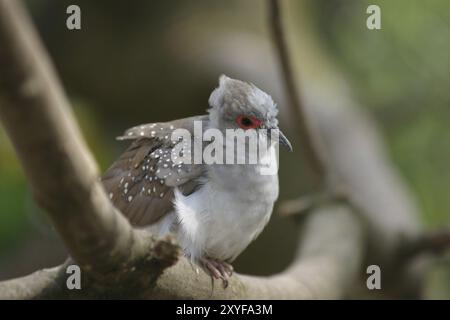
<point x="213" y="210"/>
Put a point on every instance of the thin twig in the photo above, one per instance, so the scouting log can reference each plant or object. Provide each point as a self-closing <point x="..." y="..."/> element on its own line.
<point x="305" y="133"/>
<point x="307" y="203"/>
<point x="434" y="242"/>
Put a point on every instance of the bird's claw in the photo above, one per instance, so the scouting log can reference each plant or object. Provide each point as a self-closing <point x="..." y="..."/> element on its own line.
<point x="218" y="269"/>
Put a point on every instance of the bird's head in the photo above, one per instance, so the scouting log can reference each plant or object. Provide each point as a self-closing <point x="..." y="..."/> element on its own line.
<point x="237" y="104"/>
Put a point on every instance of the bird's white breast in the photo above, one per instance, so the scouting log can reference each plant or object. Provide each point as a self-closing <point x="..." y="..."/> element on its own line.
<point x="220" y="219"/>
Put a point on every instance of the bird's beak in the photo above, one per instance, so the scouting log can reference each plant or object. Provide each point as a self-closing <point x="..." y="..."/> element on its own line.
<point x="284" y="141"/>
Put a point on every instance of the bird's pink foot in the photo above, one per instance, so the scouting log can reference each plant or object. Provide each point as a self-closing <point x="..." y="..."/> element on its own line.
<point x="217" y="269"/>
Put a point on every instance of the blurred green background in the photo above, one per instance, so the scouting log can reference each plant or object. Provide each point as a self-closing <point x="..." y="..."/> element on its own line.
<point x="147" y="61"/>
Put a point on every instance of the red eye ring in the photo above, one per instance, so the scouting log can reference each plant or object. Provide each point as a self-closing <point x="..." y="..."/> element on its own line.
<point x="248" y="122"/>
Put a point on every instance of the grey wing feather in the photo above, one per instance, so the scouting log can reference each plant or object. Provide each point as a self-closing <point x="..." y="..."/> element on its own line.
<point x="141" y="182"/>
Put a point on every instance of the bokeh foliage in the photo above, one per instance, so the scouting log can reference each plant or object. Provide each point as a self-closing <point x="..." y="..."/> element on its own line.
<point x="402" y="74"/>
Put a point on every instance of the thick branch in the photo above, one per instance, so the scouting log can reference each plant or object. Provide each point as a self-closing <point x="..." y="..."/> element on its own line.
<point x="327" y="263"/>
<point x="62" y="173"/>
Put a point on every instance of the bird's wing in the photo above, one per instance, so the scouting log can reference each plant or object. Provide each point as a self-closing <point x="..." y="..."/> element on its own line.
<point x="141" y="182"/>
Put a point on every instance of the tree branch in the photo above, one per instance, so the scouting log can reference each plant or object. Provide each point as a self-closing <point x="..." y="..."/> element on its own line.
<point x="306" y="133"/>
<point x="434" y="242"/>
<point x="356" y="169"/>
<point x="327" y="263"/>
<point x="62" y="173"/>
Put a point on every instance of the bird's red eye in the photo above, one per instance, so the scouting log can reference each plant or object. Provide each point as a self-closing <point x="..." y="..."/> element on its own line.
<point x="248" y="122"/>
